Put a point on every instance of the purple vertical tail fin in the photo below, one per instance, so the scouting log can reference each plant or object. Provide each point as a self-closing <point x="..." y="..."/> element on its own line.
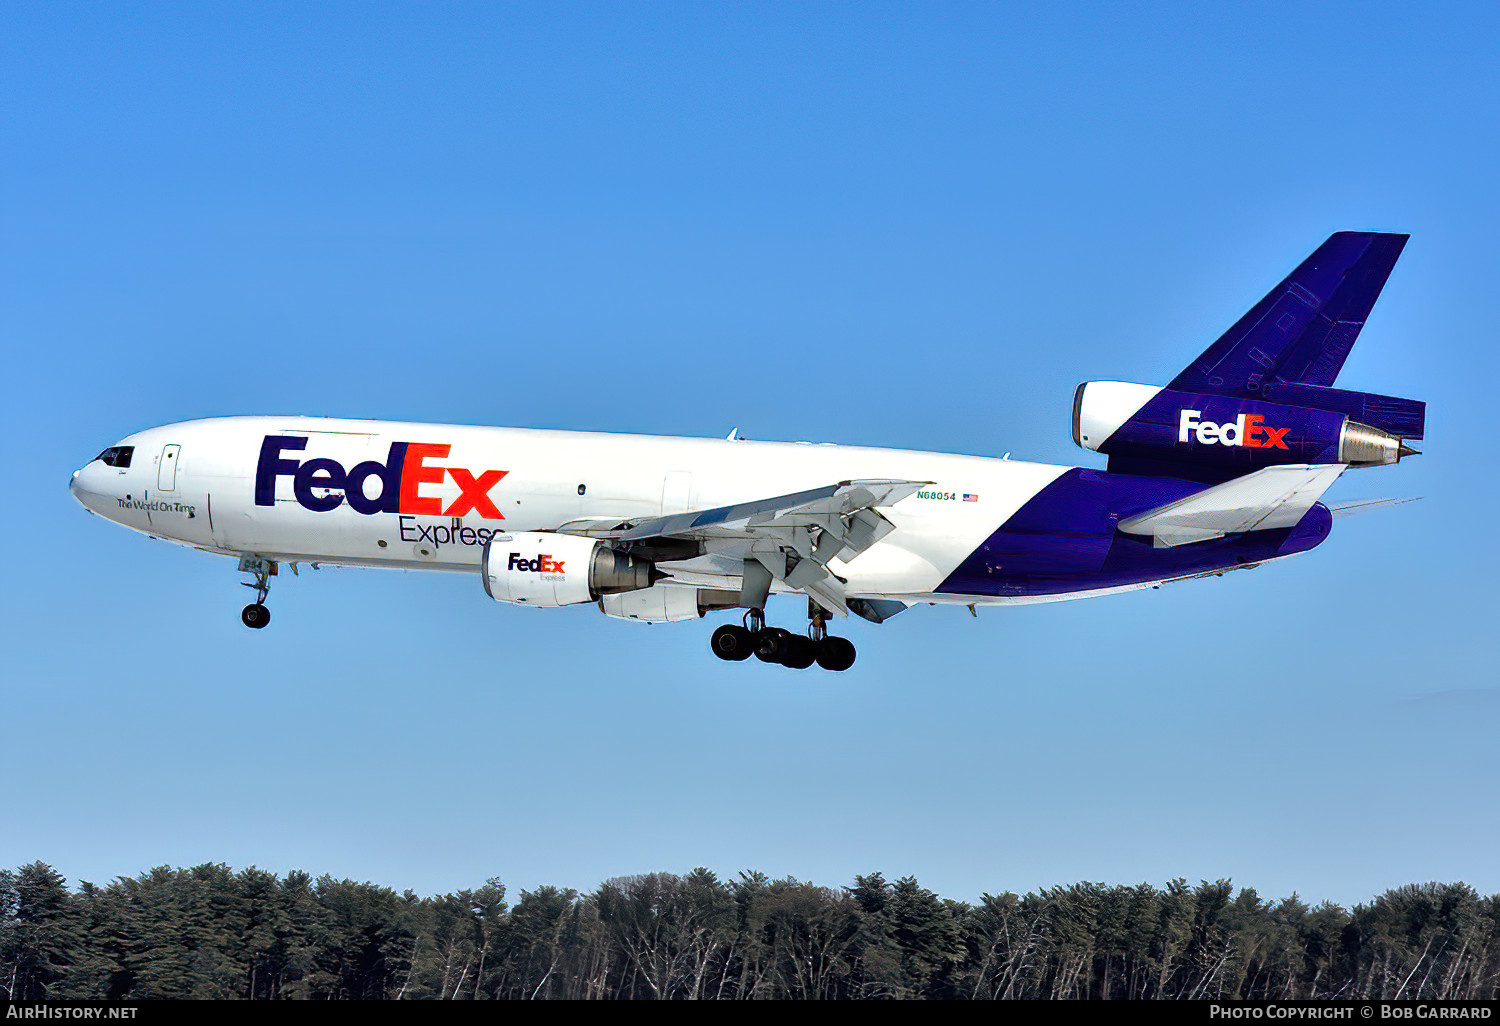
<point x="1290" y="347"/>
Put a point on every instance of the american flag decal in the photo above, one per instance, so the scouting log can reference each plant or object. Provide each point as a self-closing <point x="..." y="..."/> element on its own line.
<point x="970" y="498"/>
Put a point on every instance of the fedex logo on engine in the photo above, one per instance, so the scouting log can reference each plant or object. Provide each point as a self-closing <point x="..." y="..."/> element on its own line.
<point x="1247" y="430"/>
<point x="542" y="564"/>
<point x="407" y="467"/>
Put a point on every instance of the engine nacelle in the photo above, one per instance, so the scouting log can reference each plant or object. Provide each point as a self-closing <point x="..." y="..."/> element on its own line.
<point x="1148" y="422"/>
<point x="541" y="569"/>
<point x="662" y="603"/>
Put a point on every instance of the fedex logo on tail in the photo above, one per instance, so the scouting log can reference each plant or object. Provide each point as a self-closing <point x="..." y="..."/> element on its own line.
<point x="408" y="466"/>
<point x="1248" y="430"/>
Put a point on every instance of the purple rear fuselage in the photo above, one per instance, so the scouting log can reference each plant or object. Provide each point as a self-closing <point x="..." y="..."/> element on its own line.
<point x="1066" y="539"/>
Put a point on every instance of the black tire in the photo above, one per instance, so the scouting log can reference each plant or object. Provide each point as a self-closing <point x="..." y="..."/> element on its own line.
<point x="770" y="645"/>
<point x="255" y="615"/>
<point x="800" y="652"/>
<point x="835" y="654"/>
<point x="732" y="642"/>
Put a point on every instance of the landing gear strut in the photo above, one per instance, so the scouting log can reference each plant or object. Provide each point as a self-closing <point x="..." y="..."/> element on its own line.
<point x="256" y="614"/>
<point x="774" y="645"/>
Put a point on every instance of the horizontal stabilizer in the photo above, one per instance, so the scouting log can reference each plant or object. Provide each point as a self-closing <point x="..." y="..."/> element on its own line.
<point x="1353" y="506"/>
<point x="1272" y="498"/>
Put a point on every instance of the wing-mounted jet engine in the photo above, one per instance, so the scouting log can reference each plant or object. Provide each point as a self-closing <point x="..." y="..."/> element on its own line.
<point x="542" y="569"/>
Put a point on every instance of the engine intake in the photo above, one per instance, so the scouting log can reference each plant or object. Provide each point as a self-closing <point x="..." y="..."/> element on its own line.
<point x="537" y="568"/>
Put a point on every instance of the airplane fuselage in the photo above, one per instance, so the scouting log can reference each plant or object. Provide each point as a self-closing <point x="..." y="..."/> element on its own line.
<point x="429" y="496"/>
<point x="1220" y="469"/>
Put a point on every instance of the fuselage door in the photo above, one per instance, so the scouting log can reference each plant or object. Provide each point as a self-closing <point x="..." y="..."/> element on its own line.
<point x="166" y="469"/>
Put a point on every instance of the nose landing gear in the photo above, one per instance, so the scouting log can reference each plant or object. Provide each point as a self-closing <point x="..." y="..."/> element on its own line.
<point x="735" y="643"/>
<point x="256" y="614"/>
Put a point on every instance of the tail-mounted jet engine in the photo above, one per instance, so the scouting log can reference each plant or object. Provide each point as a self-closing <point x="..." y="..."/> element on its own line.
<point x="541" y="569"/>
<point x="1147" y="422"/>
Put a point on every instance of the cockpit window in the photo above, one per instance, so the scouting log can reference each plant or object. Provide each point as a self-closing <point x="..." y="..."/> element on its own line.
<point x="117" y="456"/>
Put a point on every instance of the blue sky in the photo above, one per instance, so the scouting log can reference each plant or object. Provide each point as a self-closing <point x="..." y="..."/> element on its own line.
<point x="916" y="226"/>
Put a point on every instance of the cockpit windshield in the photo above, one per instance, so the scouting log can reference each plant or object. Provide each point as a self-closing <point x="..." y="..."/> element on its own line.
<point x="117" y="456"/>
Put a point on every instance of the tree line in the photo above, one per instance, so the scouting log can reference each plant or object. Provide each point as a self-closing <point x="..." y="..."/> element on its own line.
<point x="211" y="932"/>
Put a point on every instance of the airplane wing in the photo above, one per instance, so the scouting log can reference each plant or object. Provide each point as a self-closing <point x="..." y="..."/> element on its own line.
<point x="790" y="537"/>
<point x="1275" y="497"/>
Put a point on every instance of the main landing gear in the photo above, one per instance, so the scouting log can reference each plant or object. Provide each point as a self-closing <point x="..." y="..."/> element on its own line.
<point x="256" y="614"/>
<point x="774" y="645"/>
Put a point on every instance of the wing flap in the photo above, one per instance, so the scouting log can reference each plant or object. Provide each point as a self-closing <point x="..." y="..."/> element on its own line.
<point x="836" y="508"/>
<point x="793" y="536"/>
<point x="740" y="514"/>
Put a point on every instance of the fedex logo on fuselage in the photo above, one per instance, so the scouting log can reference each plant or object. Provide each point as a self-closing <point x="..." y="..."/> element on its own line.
<point x="1247" y="430"/>
<point x="407" y="467"/>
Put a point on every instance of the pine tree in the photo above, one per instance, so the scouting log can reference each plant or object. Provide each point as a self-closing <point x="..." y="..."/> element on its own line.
<point x="38" y="945"/>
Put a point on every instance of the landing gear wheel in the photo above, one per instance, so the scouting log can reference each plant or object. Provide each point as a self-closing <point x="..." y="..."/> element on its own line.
<point x="835" y="653"/>
<point x="770" y="645"/>
<point x="256" y="614"/>
<point x="800" y="652"/>
<point x="732" y="642"/>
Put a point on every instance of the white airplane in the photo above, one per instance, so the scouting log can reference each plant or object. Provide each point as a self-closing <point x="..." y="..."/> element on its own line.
<point x="1221" y="469"/>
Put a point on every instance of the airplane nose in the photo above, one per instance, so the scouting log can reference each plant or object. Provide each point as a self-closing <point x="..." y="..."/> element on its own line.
<point x="78" y="489"/>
